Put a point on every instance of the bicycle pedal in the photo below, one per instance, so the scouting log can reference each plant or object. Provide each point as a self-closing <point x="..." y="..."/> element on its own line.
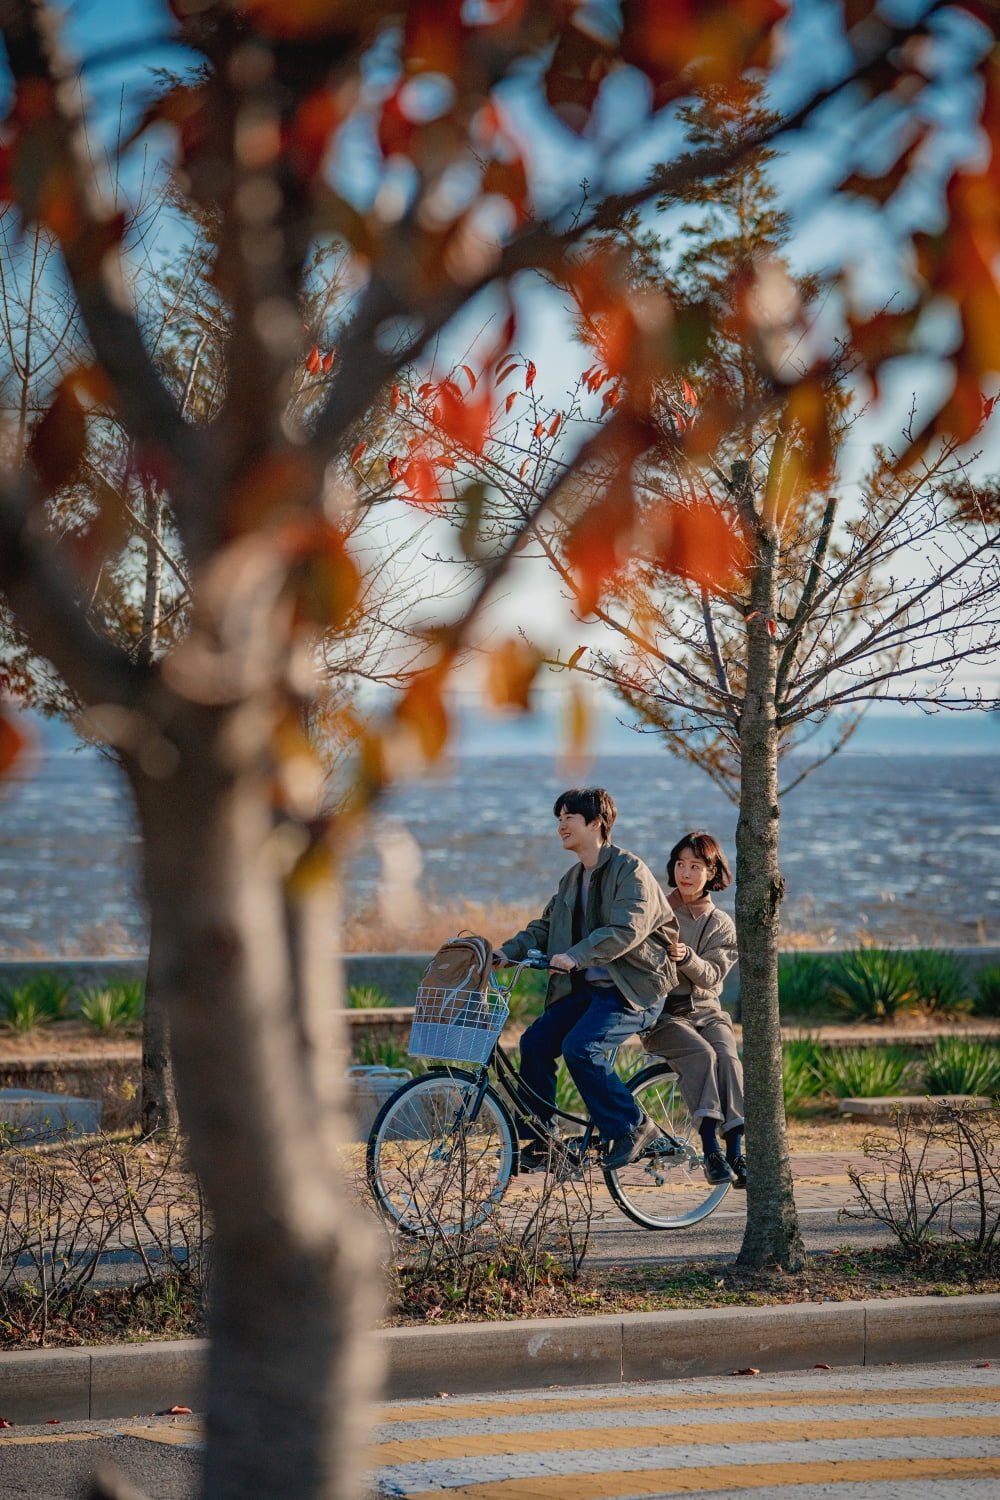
<point x="664" y="1145"/>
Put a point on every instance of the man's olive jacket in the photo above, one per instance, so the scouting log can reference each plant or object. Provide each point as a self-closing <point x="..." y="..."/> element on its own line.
<point x="631" y="924"/>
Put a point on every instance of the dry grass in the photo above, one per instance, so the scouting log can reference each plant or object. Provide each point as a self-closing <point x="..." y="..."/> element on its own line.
<point x="368" y="931"/>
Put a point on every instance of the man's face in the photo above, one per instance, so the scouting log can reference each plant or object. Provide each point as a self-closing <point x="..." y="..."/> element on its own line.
<point x="577" y="835"/>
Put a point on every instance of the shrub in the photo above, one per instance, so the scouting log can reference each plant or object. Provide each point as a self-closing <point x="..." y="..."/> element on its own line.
<point x="367" y="997"/>
<point x="803" y="981"/>
<point x="386" y="1054"/>
<point x="117" y="1005"/>
<point x="528" y="999"/>
<point x="872" y="984"/>
<point x="986" y="991"/>
<point x="800" y="1070"/>
<point x="864" y="1072"/>
<point x="940" y="983"/>
<point x="957" y="1065"/>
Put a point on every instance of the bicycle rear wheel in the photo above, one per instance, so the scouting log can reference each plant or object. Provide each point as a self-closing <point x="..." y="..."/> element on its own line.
<point x="666" y="1187"/>
<point x="431" y="1169"/>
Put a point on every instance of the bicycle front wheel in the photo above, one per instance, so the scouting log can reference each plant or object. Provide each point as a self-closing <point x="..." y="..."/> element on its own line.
<point x="666" y="1187"/>
<point x="432" y="1169"/>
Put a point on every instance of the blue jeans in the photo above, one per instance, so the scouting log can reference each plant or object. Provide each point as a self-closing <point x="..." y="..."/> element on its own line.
<point x="584" y="1027"/>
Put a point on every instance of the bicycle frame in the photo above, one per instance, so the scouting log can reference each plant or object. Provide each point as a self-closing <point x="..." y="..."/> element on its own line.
<point x="520" y="1096"/>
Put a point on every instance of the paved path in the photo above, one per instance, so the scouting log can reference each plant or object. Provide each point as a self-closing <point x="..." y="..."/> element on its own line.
<point x="867" y="1434"/>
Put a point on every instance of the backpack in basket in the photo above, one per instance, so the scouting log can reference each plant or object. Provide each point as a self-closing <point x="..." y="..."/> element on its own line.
<point x="455" y="1018"/>
<point x="463" y="963"/>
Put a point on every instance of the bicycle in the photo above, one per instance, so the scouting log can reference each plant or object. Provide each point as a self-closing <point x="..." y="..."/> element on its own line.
<point x="444" y="1147"/>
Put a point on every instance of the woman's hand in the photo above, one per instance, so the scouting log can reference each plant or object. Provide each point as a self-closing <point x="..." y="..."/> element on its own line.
<point x="679" y="952"/>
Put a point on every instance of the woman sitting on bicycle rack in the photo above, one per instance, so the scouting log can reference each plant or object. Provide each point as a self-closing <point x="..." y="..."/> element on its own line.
<point x="695" y="1034"/>
<point x="608" y="933"/>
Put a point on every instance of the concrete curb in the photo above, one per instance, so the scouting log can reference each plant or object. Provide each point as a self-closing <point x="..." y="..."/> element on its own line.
<point x="463" y="1359"/>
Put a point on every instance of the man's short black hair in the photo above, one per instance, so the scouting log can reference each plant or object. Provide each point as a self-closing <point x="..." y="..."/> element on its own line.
<point x="592" y="803"/>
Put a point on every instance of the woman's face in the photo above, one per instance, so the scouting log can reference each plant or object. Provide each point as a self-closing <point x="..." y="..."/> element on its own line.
<point x="691" y="873"/>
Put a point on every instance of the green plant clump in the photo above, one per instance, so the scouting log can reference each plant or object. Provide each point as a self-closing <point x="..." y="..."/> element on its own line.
<point x="43" y="998"/>
<point x="864" y="1072"/>
<point x="872" y="984"/>
<point x="803" y="981"/>
<point x="114" y="1007"/>
<point x="940" y="983"/>
<point x="957" y="1065"/>
<point x="801" y="1070"/>
<point x="986" y="991"/>
<point x="386" y="1054"/>
<point x="367" y="997"/>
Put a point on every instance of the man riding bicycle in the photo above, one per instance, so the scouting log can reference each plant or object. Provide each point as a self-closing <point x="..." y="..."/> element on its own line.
<point x="607" y="933"/>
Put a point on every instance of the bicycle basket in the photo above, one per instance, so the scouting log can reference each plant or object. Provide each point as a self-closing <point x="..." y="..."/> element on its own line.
<point x="456" y="1025"/>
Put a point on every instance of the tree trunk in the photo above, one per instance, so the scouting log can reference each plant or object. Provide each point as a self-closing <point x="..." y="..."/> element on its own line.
<point x="256" y="1026"/>
<point x="158" y="1100"/>
<point x="772" y="1235"/>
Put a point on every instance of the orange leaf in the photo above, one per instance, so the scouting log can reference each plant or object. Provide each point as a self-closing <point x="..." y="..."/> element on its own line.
<point x="599" y="542"/>
<point x="358" y="452"/>
<point x="509" y="366"/>
<point x="689" y="395"/>
<point x="750" y="1370"/>
<point x="539" y="430"/>
<point x="465" y="421"/>
<point x="524" y="468"/>
<point x="313" y="362"/>
<point x="529" y="376"/>
<point x="179" y="1411"/>
<point x="510" y="401"/>
<point x="421" y="481"/>
<point x="471" y="375"/>
<point x="393" y="467"/>
<point x="422" y="709"/>
<point x="511" y="670"/>
<point x="554" y="424"/>
<point x="577" y="654"/>
<point x="395" y="397"/>
<point x="701" y="543"/>
<point x="327" y="362"/>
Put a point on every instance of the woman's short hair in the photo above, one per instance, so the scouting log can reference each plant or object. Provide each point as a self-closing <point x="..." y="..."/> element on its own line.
<point x="591" y="802"/>
<point x="708" y="850"/>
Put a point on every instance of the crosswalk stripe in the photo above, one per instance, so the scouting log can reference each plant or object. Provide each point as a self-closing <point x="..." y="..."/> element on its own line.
<point x="726" y="1477"/>
<point x="491" y="1444"/>
<point x="48" y="1437"/>
<point x="440" y="1411"/>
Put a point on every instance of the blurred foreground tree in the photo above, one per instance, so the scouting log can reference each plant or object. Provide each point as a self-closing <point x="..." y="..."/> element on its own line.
<point x="389" y="128"/>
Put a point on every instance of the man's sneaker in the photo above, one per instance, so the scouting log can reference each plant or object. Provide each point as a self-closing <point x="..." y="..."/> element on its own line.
<point x="625" y="1148"/>
<point x="738" y="1165"/>
<point x="717" y="1169"/>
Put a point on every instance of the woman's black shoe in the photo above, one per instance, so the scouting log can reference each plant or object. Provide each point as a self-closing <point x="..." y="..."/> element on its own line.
<point x="717" y="1169"/>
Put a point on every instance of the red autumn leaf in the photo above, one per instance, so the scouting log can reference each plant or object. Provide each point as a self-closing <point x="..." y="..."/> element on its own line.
<point x="472" y="376"/>
<point x="421" y="481"/>
<point x="54" y="1422"/>
<point x="58" y="441"/>
<point x="524" y="468"/>
<point x="539" y="430"/>
<point x="510" y="401"/>
<point x="11" y="744"/>
<point x="772" y="628"/>
<point x="529" y="376"/>
<point x="465" y="421"/>
<point x="822" y="1367"/>
<point x="327" y="362"/>
<point x="313" y="362"/>
<point x="554" y="424"/>
<point x="750" y="1370"/>
<point x="179" y="1411"/>
<point x="393" y="467"/>
<point x="577" y="654"/>
<point x="511" y="670"/>
<point x="395" y="127"/>
<point x="395" y="397"/>
<point x="4" y="1423"/>
<point x="509" y="366"/>
<point x="422" y="709"/>
<point x="358" y="451"/>
<point x="689" y="395"/>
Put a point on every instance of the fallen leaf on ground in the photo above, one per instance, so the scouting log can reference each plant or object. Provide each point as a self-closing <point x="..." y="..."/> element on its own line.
<point x="822" y="1367"/>
<point x="750" y="1370"/>
<point x="179" y="1411"/>
<point x="5" y="1423"/>
<point x="53" y="1422"/>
